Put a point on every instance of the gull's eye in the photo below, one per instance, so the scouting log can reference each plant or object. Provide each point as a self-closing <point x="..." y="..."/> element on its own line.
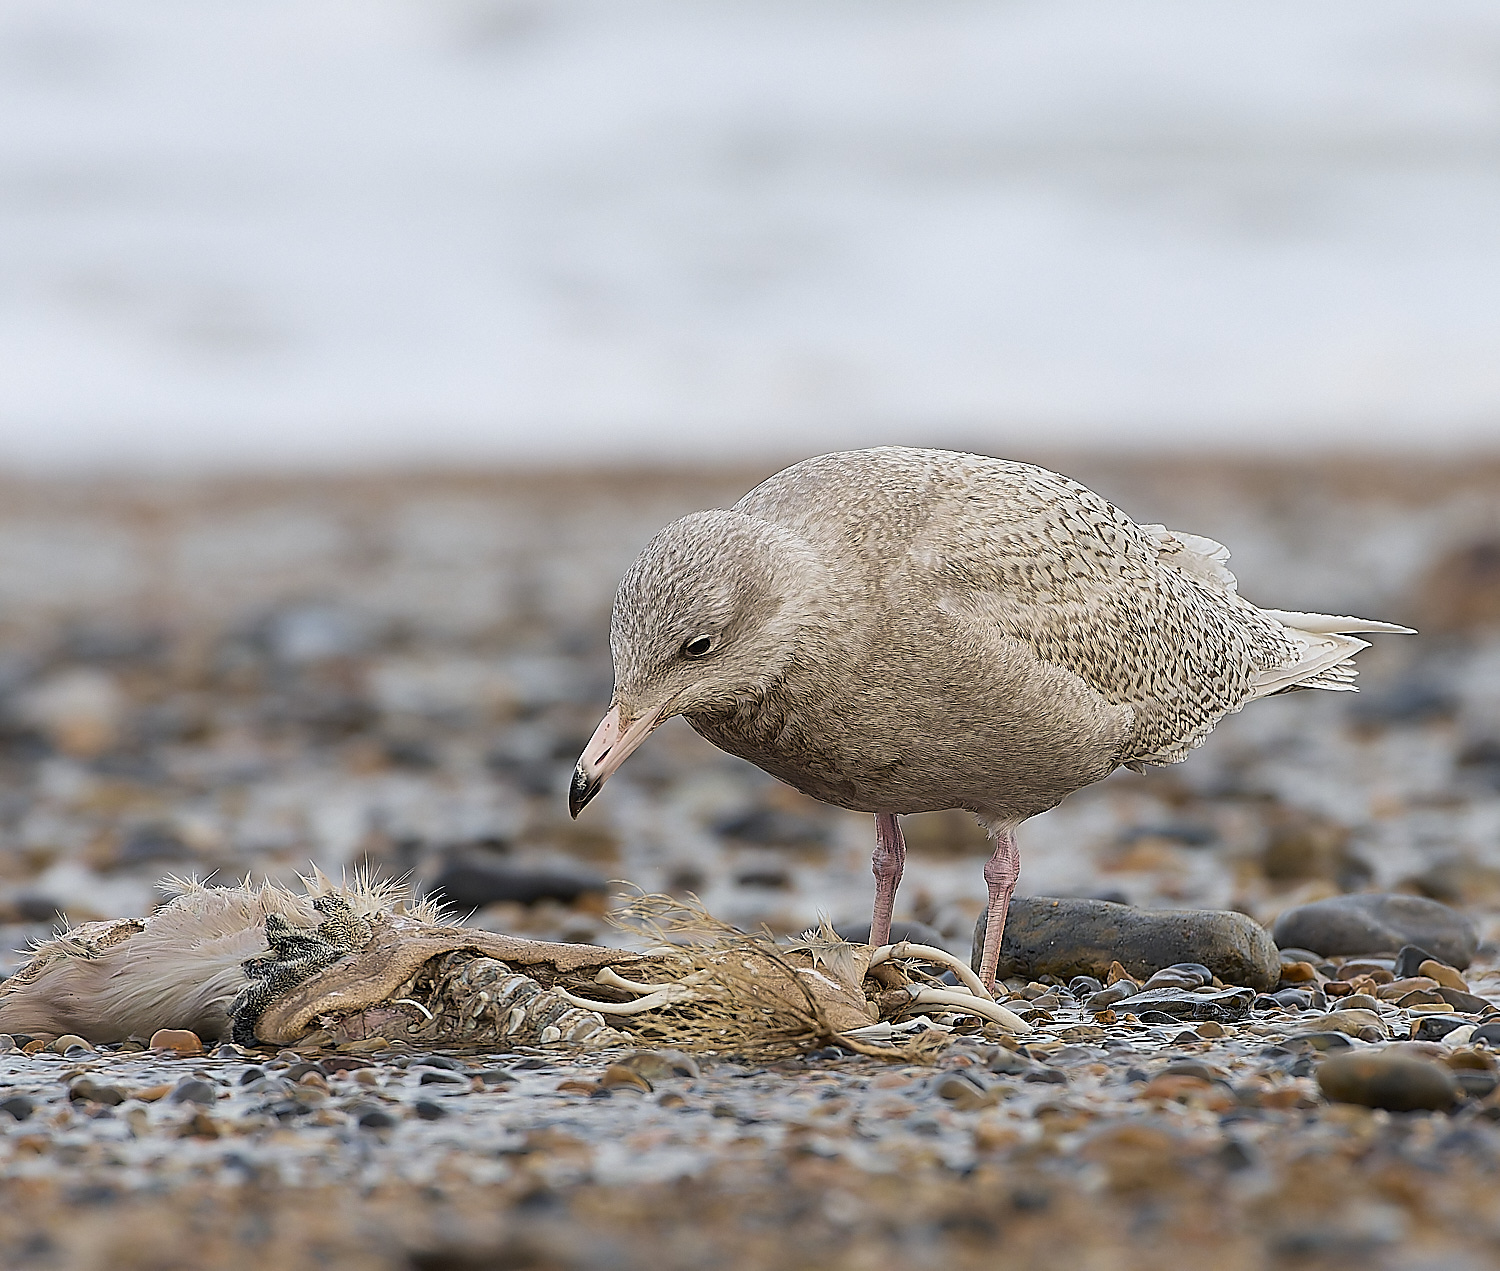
<point x="698" y="647"/>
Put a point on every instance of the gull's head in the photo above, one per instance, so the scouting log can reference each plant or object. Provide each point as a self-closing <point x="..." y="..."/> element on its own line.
<point x="707" y="618"/>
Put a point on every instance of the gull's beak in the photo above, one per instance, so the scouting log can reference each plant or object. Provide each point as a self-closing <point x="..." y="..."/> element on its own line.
<point x="608" y="748"/>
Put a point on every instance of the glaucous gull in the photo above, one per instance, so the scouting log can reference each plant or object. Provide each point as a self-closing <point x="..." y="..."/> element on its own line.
<point x="899" y="630"/>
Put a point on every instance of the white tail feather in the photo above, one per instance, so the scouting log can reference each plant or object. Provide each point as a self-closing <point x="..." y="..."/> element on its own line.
<point x="1325" y="648"/>
<point x="1330" y="624"/>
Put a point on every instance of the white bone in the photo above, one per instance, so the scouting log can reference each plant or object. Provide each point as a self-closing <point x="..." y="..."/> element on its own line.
<point x="615" y="980"/>
<point x="407" y="1001"/>
<point x="972" y="1005"/>
<point x="665" y="997"/>
<point x="931" y="953"/>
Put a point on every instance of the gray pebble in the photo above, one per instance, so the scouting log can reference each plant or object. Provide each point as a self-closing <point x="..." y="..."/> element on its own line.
<point x="375" y="1119"/>
<point x="963" y="1089"/>
<point x="1106" y="999"/>
<point x="1409" y="959"/>
<point x="1318" y="1041"/>
<point x="1224" y="1006"/>
<point x="18" y="1105"/>
<point x="1431" y="1028"/>
<point x="1008" y="1062"/>
<point x="1375" y="923"/>
<point x="1469" y="1003"/>
<point x="85" y="1090"/>
<point x="1398" y="1083"/>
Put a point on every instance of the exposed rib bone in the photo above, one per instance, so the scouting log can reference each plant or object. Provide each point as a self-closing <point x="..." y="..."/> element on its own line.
<point x="615" y="980"/>
<point x="669" y="994"/>
<point x="409" y="1001"/>
<point x="971" y="1004"/>
<point x="930" y="953"/>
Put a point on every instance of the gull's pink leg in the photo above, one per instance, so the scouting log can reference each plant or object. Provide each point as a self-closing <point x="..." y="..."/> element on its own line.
<point x="1000" y="872"/>
<point x="886" y="865"/>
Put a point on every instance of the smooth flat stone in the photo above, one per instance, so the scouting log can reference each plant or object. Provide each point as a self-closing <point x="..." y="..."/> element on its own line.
<point x="1408" y="959"/>
<point x="1397" y="1083"/>
<point x="1353" y="1020"/>
<point x="1067" y="937"/>
<point x="471" y="882"/>
<point x="1321" y="1041"/>
<point x="916" y="932"/>
<point x="1223" y="1007"/>
<point x="1379" y="923"/>
<point x="1431" y="1028"/>
<point x="1469" y="1003"/>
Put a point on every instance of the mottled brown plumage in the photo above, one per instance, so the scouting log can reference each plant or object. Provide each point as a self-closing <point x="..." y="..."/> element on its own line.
<point x="899" y="630"/>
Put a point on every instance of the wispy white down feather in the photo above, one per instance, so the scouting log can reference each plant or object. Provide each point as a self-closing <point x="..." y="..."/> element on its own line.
<point x="179" y="968"/>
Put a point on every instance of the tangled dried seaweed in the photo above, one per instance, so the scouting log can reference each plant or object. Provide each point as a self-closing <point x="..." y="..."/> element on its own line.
<point x="715" y="988"/>
<point x="722" y="989"/>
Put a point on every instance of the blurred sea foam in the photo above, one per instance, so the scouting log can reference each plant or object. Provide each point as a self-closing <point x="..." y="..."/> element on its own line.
<point x="278" y="233"/>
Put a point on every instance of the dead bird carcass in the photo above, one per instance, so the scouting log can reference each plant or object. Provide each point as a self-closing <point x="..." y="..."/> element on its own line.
<point x="346" y="964"/>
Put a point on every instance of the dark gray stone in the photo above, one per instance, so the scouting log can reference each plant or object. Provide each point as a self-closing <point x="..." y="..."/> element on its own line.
<point x="1319" y="1041"/>
<point x="772" y="827"/>
<point x="18" y="1106"/>
<point x="153" y="842"/>
<point x="85" y="1090"/>
<point x="1107" y="999"/>
<point x="1379" y="923"/>
<point x="1181" y="975"/>
<point x="1477" y="1083"/>
<point x="1409" y="959"/>
<point x="474" y="882"/>
<point x="1069" y="937"/>
<point x="963" y="1087"/>
<point x="1224" y="1006"/>
<point x="194" y="1090"/>
<point x="1398" y="1083"/>
<point x="1469" y="1003"/>
<point x="446" y="1062"/>
<point x="1191" y="1068"/>
<point x="1431" y="1028"/>
<point x="1008" y="1063"/>
<point x="916" y="932"/>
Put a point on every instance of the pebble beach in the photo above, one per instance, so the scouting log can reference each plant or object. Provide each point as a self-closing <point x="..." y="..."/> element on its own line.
<point x="214" y="678"/>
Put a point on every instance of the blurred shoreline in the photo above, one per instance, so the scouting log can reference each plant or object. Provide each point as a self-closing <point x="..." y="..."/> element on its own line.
<point x="79" y="543"/>
<point x="1395" y="466"/>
